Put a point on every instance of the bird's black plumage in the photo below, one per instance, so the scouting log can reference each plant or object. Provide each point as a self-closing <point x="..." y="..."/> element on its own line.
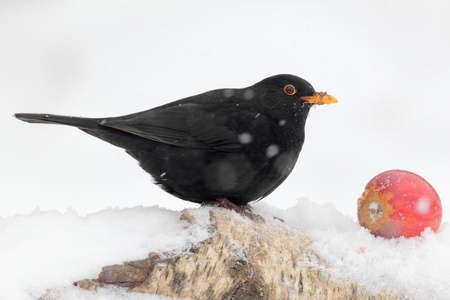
<point x="238" y="144"/>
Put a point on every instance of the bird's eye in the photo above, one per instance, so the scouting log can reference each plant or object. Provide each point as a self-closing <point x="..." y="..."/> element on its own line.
<point x="289" y="89"/>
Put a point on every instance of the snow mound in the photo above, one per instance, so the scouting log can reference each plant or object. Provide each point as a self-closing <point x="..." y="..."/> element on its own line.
<point x="107" y="293"/>
<point x="413" y="267"/>
<point x="51" y="250"/>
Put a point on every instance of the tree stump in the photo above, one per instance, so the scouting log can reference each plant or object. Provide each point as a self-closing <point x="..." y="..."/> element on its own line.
<point x="246" y="258"/>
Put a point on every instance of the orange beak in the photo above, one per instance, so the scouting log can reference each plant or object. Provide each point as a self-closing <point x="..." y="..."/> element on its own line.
<point x="319" y="98"/>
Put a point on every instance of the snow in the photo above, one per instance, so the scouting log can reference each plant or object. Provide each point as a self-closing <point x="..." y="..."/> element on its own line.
<point x="107" y="293"/>
<point x="385" y="61"/>
<point x="228" y="93"/>
<point x="415" y="267"/>
<point x="49" y="250"/>
<point x="245" y="138"/>
<point x="272" y="151"/>
<point x="423" y="205"/>
<point x="249" y="94"/>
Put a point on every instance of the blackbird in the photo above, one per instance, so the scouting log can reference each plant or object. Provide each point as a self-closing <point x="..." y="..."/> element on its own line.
<point x="232" y="144"/>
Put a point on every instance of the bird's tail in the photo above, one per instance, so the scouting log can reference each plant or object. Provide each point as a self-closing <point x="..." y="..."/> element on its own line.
<point x="82" y="123"/>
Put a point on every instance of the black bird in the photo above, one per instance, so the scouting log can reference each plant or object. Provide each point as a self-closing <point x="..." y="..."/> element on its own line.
<point x="233" y="145"/>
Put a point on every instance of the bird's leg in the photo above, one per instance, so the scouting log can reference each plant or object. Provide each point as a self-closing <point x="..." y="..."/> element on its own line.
<point x="225" y="202"/>
<point x="244" y="210"/>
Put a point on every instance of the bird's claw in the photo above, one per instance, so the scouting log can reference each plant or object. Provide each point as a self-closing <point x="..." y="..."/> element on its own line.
<point x="243" y="210"/>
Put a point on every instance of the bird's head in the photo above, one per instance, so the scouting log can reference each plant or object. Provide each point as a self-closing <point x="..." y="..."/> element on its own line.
<point x="285" y="94"/>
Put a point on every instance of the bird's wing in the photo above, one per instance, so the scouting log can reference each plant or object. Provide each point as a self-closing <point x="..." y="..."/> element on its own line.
<point x="184" y="125"/>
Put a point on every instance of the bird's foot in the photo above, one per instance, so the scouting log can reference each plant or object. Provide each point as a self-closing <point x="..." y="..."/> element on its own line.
<point x="243" y="210"/>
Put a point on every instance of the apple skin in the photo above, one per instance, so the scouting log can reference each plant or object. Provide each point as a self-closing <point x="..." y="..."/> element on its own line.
<point x="399" y="203"/>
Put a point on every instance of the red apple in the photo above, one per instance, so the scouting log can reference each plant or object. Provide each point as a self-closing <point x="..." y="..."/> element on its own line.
<point x="399" y="203"/>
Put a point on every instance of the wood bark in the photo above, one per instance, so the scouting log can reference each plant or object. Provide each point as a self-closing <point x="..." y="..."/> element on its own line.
<point x="246" y="258"/>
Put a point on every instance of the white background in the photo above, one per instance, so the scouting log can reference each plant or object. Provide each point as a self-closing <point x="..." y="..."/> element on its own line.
<point x="387" y="62"/>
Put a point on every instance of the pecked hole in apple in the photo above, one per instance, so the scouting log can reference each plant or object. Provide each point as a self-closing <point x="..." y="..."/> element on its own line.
<point x="375" y="211"/>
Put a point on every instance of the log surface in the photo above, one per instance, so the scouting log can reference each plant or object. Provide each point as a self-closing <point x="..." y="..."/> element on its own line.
<point x="245" y="259"/>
